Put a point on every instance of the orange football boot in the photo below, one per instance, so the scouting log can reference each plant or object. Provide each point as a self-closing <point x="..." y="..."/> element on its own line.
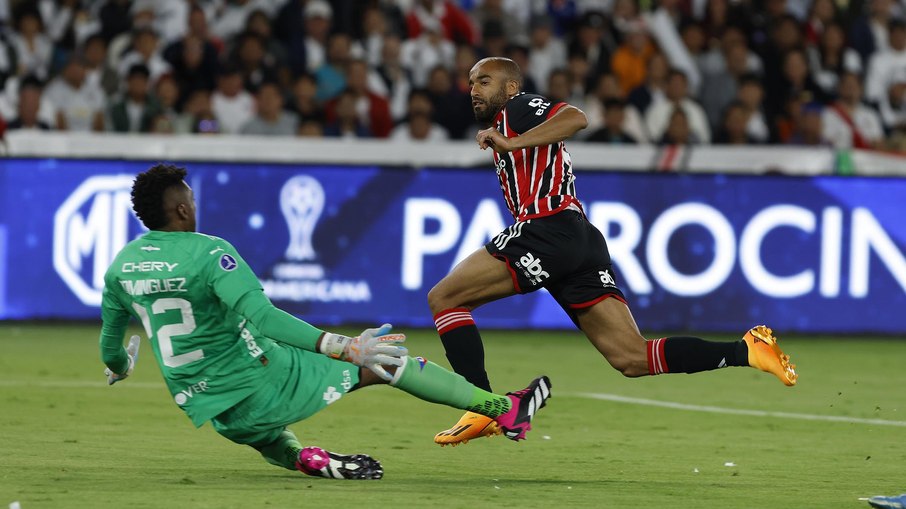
<point x="765" y="355"/>
<point x="470" y="425"/>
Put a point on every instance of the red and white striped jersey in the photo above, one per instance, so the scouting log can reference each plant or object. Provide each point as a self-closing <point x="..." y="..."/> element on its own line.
<point x="536" y="181"/>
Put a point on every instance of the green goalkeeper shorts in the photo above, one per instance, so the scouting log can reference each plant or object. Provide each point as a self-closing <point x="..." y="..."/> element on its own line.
<point x="297" y="385"/>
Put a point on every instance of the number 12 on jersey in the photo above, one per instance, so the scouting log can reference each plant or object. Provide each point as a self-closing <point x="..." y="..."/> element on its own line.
<point x="166" y="332"/>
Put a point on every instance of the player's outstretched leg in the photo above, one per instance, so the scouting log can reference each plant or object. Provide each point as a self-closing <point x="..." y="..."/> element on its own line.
<point x="525" y="403"/>
<point x="765" y="355"/>
<point x="317" y="462"/>
<point x="469" y="426"/>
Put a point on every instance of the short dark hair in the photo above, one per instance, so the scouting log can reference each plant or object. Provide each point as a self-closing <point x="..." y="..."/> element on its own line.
<point x="148" y="193"/>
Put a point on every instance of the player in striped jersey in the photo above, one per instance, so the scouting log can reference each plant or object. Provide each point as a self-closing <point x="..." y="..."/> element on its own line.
<point x="552" y="245"/>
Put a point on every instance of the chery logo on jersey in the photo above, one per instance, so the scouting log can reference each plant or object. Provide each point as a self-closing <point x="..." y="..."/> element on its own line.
<point x="90" y="228"/>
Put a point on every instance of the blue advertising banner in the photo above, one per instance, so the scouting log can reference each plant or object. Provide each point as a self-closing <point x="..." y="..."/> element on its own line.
<point x="365" y="244"/>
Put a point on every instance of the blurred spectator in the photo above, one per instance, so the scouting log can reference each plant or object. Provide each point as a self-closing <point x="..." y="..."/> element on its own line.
<point x="231" y="102"/>
<point x="194" y="64"/>
<point x="145" y="51"/>
<point x="886" y="68"/>
<point x="582" y="76"/>
<point x="630" y="61"/>
<point x="346" y="123"/>
<point x="30" y="90"/>
<point x="444" y="16"/>
<point x="658" y="118"/>
<point x="493" y="39"/>
<point x="795" y="80"/>
<point x="136" y="110"/>
<point x="694" y="41"/>
<point x="259" y="23"/>
<point x="809" y="130"/>
<point x="33" y="49"/>
<point x="373" y="110"/>
<point x="318" y="18"/>
<point x="197" y="26"/>
<point x="142" y="13"/>
<point x="750" y="94"/>
<point x="79" y="103"/>
<point x="304" y="104"/>
<point x="198" y="115"/>
<point x="612" y="132"/>
<point x="515" y="52"/>
<point x="678" y="130"/>
<point x="868" y="34"/>
<point x="545" y="52"/>
<point x="171" y="19"/>
<point x="831" y="58"/>
<point x="821" y="14"/>
<point x="254" y="63"/>
<point x="509" y="15"/>
<point x="331" y="75"/>
<point x="422" y="54"/>
<point x="733" y="129"/>
<point x="230" y="18"/>
<point x="608" y="89"/>
<point x="624" y="17"/>
<point x="374" y="28"/>
<point x="167" y="92"/>
<point x="419" y="125"/>
<point x="67" y="23"/>
<point x="452" y="108"/>
<point x="655" y="82"/>
<point x="593" y="43"/>
<point x="116" y="18"/>
<point x="98" y="72"/>
<point x="310" y="129"/>
<point x="271" y="119"/>
<point x="847" y="122"/>
<point x="719" y="82"/>
<point x="785" y="37"/>
<point x="395" y="80"/>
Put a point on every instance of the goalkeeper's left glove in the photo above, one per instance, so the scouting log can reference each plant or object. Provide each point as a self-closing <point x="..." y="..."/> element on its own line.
<point x="132" y="354"/>
<point x="374" y="349"/>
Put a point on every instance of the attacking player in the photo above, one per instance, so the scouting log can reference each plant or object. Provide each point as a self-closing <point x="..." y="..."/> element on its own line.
<point x="552" y="245"/>
<point x="230" y="357"/>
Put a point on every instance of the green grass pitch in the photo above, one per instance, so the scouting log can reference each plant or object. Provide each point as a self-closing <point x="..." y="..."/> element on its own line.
<point x="68" y="440"/>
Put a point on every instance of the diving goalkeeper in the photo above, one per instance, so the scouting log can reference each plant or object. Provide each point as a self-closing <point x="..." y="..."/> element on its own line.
<point x="230" y="357"/>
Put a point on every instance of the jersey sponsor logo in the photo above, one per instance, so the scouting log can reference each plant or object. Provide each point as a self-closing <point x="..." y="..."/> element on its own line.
<point x="254" y="349"/>
<point x="90" y="227"/>
<point x="182" y="397"/>
<point x="531" y="268"/>
<point x="299" y="278"/>
<point x="147" y="266"/>
<point x="540" y="105"/>
<point x="607" y="278"/>
<point x="228" y="263"/>
<point x="332" y="394"/>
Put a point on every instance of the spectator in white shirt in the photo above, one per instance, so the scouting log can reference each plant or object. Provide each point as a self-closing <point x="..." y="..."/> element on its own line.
<point x="422" y="54"/>
<point x="145" y="51"/>
<point x="887" y="68"/>
<point x="232" y="103"/>
<point x="659" y="113"/>
<point x="79" y="103"/>
<point x="419" y="125"/>
<point x="318" y="19"/>
<point x="33" y="49"/>
<point x="847" y="122"/>
<point x="546" y="52"/>
<point x="271" y="119"/>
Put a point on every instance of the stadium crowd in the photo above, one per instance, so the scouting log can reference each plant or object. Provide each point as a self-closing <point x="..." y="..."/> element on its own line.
<point x="801" y="72"/>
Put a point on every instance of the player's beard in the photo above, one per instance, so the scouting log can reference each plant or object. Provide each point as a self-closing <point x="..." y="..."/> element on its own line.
<point x="492" y="107"/>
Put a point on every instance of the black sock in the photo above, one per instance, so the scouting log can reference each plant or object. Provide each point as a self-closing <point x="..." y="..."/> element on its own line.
<point x="685" y="354"/>
<point x="462" y="343"/>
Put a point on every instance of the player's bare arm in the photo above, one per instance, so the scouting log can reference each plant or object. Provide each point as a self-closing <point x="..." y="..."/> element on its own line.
<point x="565" y="123"/>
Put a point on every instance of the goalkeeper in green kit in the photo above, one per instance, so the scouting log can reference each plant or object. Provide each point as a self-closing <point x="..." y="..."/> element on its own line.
<point x="230" y="357"/>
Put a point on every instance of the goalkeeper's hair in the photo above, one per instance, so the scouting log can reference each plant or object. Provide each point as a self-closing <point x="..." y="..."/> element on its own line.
<point x="148" y="193"/>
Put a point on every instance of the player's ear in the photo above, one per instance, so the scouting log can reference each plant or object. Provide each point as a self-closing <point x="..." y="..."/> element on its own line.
<point x="512" y="87"/>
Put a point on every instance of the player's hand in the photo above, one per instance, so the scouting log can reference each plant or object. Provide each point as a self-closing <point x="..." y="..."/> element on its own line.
<point x="132" y="353"/>
<point x="491" y="138"/>
<point x="377" y="348"/>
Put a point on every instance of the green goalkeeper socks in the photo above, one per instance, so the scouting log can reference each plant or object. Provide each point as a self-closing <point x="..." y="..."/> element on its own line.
<point x="430" y="382"/>
<point x="284" y="451"/>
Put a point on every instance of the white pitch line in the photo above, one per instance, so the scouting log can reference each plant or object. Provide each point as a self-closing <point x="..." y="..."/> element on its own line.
<point x="734" y="411"/>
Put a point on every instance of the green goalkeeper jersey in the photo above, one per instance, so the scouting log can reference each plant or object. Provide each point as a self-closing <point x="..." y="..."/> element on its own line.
<point x="184" y="289"/>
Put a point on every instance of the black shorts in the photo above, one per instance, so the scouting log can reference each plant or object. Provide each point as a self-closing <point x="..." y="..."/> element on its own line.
<point x="564" y="253"/>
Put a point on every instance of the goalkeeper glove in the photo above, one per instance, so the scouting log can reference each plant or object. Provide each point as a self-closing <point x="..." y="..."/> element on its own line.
<point x="132" y="354"/>
<point x="373" y="349"/>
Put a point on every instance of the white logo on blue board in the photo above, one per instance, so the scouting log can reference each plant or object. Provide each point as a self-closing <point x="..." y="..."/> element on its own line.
<point x="227" y="262"/>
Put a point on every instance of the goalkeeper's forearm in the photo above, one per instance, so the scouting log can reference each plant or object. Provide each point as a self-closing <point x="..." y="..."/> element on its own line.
<point x="278" y="324"/>
<point x="113" y="354"/>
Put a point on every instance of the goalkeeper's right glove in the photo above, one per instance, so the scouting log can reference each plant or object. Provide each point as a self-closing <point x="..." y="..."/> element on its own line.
<point x="132" y="354"/>
<point x="374" y="349"/>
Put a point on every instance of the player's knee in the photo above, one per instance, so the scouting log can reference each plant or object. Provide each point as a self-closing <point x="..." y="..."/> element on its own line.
<point x="629" y="365"/>
<point x="438" y="300"/>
